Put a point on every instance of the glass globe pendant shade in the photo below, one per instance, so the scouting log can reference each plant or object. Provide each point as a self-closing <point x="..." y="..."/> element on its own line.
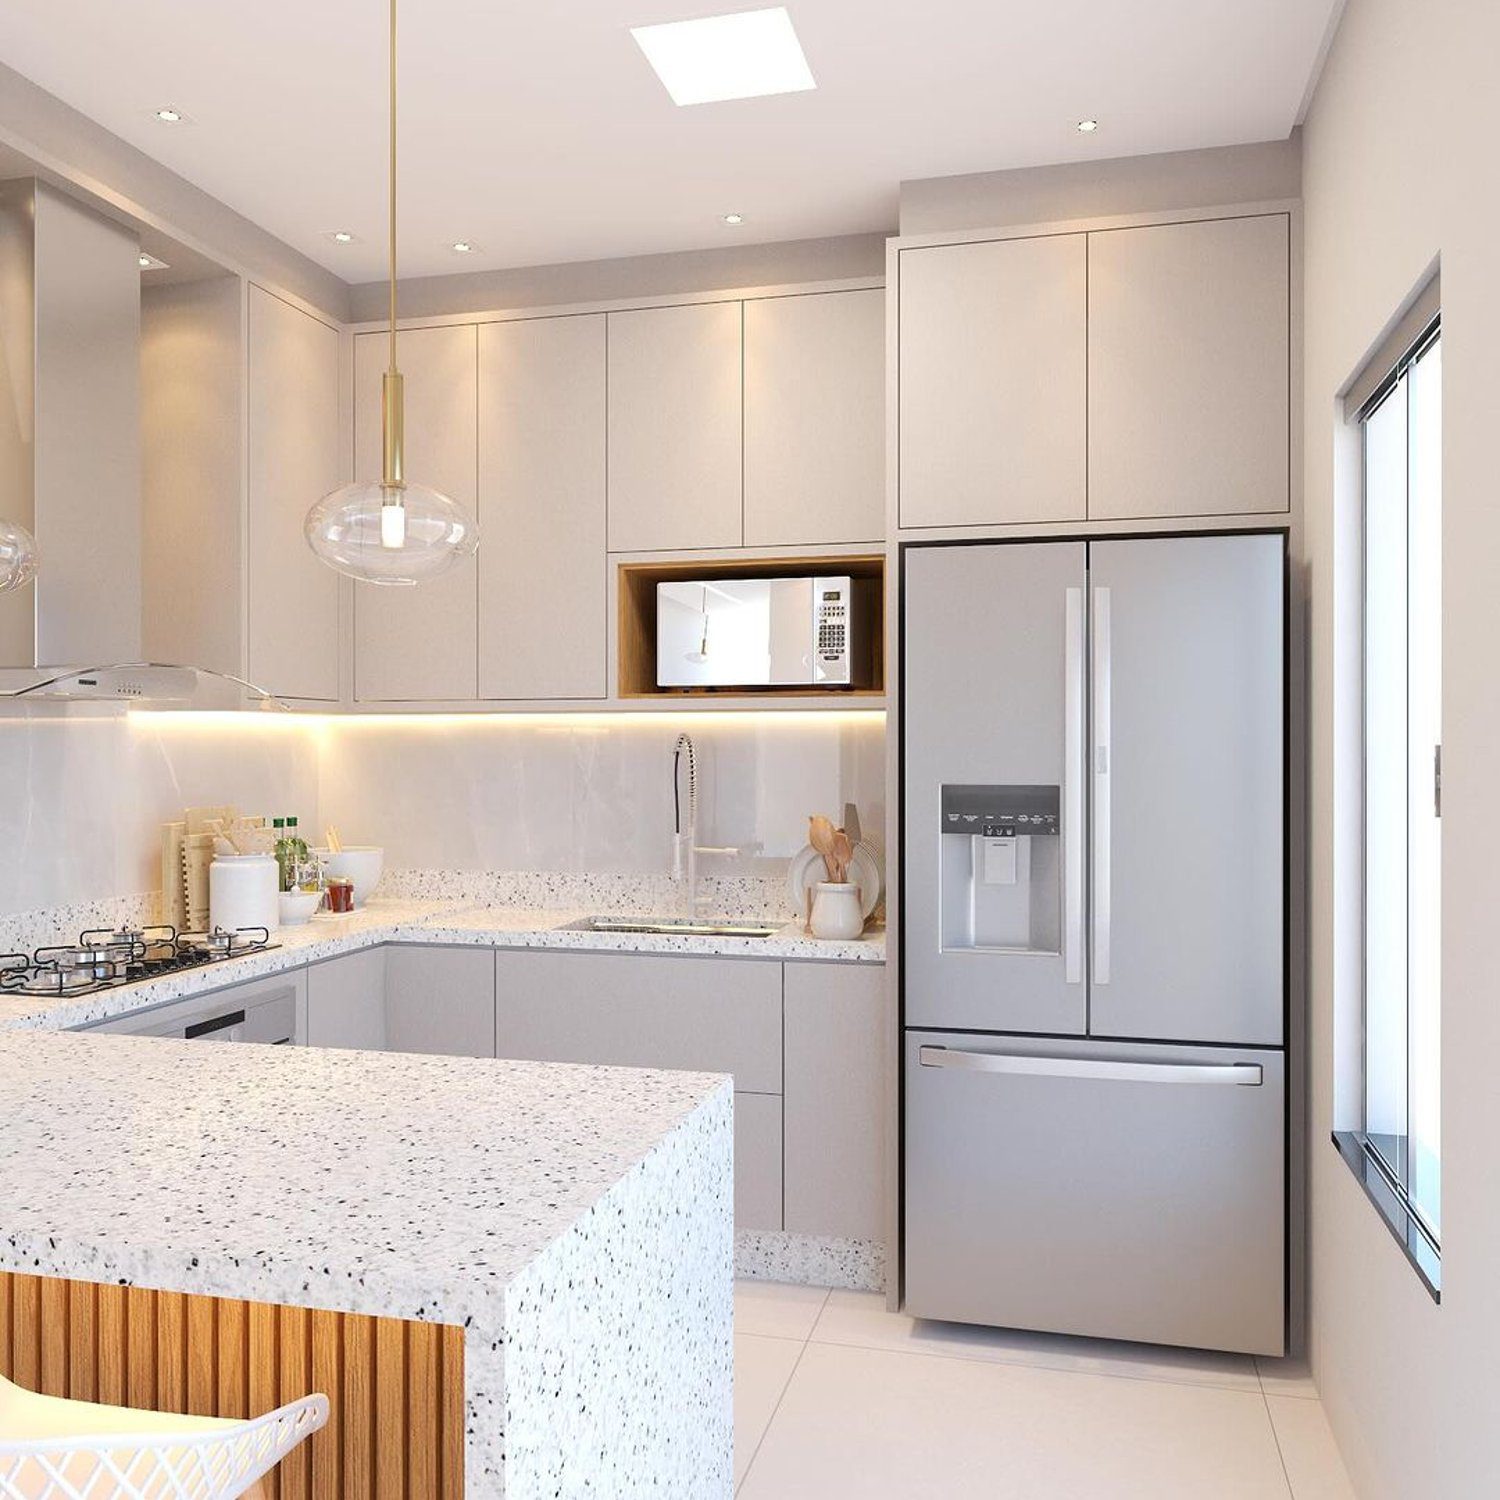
<point x="18" y="556"/>
<point x="390" y="533"/>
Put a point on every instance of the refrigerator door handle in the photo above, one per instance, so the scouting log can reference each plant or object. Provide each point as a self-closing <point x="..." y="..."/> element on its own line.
<point x="1075" y="771"/>
<point x="1100" y="712"/>
<point x="1122" y="1070"/>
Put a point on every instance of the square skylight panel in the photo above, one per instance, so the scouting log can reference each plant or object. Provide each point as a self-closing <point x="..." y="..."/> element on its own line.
<point x="743" y="56"/>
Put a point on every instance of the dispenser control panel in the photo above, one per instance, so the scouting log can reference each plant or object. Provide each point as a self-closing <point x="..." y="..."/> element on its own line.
<point x="1001" y="812"/>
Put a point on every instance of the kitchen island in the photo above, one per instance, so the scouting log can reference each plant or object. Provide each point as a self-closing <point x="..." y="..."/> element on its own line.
<point x="574" y="1222"/>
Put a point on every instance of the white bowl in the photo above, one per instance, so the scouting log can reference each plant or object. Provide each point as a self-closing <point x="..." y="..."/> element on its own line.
<point x="360" y="863"/>
<point x="298" y="906"/>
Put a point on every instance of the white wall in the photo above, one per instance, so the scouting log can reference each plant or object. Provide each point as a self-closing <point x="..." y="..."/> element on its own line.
<point x="86" y="791"/>
<point x="1399" y="170"/>
<point x="595" y="793"/>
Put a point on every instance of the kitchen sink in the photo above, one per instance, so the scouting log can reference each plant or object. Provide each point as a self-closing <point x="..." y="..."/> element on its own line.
<point x="683" y="926"/>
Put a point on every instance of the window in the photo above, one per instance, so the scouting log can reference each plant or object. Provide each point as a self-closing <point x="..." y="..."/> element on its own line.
<point x="1401" y="1143"/>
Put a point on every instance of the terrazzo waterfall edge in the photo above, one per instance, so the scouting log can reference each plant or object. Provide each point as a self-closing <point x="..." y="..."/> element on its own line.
<point x="619" y="1347"/>
<point x="810" y="1260"/>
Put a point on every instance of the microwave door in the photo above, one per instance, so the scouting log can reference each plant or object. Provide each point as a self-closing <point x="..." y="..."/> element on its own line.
<point x="791" y="631"/>
<point x="713" y="634"/>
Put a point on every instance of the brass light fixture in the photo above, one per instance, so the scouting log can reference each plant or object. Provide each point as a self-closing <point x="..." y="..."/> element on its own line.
<point x="391" y="531"/>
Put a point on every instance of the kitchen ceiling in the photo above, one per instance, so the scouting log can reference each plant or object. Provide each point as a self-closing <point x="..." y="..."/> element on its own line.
<point x="538" y="133"/>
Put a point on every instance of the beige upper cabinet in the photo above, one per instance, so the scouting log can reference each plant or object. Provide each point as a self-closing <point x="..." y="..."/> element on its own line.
<point x="543" y="583"/>
<point x="993" y="382"/>
<point x="815" y="419"/>
<point x="674" y="428"/>
<point x="420" y="645"/>
<point x="1189" y="357"/>
<point x="292" y="379"/>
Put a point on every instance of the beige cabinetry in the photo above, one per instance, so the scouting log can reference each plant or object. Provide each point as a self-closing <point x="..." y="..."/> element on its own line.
<point x="835" y="1100"/>
<point x="292" y="425"/>
<point x="346" y="1002"/>
<point x="675" y="427"/>
<point x="440" y="1000"/>
<point x="714" y="1015"/>
<point x="421" y="644"/>
<point x="1189" y="368"/>
<point x="993" y="382"/>
<point x="543" y="581"/>
<point x="814" y="442"/>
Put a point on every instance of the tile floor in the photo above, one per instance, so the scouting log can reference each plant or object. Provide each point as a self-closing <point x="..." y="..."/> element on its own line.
<point x="836" y="1397"/>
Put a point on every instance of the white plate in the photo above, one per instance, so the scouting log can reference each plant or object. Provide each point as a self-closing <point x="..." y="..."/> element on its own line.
<point x="807" y="869"/>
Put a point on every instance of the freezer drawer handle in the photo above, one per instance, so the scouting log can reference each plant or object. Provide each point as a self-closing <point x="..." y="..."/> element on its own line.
<point x="1244" y="1075"/>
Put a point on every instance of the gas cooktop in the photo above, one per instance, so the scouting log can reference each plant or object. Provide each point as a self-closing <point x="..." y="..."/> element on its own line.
<point x="103" y="958"/>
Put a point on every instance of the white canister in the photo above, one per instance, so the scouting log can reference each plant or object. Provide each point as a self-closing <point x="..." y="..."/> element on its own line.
<point x="244" y="891"/>
<point x="837" y="911"/>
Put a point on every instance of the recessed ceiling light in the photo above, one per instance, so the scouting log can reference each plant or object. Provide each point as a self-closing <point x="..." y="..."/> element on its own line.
<point x="343" y="237"/>
<point x="463" y="247"/>
<point x="741" y="56"/>
<point x="734" y="218"/>
<point x="1088" y="127"/>
<point x="151" y="263"/>
<point x="169" y="116"/>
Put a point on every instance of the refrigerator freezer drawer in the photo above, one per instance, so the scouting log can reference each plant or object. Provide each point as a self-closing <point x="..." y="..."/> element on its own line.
<point x="1115" y="1191"/>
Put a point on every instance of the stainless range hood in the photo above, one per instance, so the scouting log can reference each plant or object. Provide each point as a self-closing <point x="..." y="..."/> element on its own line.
<point x="140" y="684"/>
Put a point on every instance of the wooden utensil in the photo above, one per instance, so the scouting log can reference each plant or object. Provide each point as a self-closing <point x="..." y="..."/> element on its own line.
<point x="843" y="853"/>
<point x="820" y="834"/>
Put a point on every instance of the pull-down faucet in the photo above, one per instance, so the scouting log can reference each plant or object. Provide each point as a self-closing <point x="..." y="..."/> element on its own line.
<point x="685" y="845"/>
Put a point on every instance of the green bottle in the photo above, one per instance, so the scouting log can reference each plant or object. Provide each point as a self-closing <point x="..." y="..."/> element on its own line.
<point x="282" y="850"/>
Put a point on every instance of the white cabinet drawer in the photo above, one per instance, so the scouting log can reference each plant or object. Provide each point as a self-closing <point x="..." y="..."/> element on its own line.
<point x="346" y="1001"/>
<point x="440" y="1000"/>
<point x="714" y="1015"/>
<point x="757" y="1161"/>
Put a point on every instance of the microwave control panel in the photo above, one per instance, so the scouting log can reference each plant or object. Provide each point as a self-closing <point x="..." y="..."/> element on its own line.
<point x="831" y="609"/>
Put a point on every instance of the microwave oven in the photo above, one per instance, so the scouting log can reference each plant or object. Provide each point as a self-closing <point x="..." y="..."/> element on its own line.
<point x="766" y="632"/>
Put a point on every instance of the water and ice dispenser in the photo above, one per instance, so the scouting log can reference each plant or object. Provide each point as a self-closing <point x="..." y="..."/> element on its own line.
<point x="1002" y="869"/>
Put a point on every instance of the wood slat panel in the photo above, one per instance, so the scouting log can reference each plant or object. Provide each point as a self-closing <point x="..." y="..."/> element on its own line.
<point x="327" y="1375"/>
<point x="113" y="1364"/>
<point x="359" y="1408"/>
<point x="296" y="1380"/>
<point x="452" y="1415"/>
<point x="83" y="1374"/>
<point x="54" y="1349"/>
<point x="171" y="1352"/>
<point x="390" y="1411"/>
<point x="140" y="1348"/>
<point x="423" y="1403"/>
<point x="395" y="1389"/>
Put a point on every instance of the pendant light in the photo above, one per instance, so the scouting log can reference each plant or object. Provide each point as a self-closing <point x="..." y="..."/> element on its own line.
<point x="18" y="556"/>
<point x="391" y="531"/>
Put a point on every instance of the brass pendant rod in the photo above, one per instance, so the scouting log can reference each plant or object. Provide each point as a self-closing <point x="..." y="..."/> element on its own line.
<point x="392" y="402"/>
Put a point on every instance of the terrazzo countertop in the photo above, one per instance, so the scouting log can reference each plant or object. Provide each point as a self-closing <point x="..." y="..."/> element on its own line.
<point x="438" y="921"/>
<point x="428" y="1188"/>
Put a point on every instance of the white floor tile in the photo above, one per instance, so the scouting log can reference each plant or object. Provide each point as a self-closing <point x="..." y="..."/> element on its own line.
<point x="761" y="1369"/>
<point x="1286" y="1377"/>
<point x="860" y="1319"/>
<point x="881" y="1425"/>
<point x="777" y="1310"/>
<point x="1313" y="1465"/>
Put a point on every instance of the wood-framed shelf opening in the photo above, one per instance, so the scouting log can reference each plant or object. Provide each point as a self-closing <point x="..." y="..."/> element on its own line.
<point x="636" y="597"/>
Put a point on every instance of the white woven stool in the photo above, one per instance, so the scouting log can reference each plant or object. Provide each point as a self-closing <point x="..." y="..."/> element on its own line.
<point x="53" y="1449"/>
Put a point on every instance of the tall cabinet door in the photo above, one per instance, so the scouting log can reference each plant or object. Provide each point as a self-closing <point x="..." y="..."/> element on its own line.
<point x="292" y="377"/>
<point x="542" y="589"/>
<point x="994" y="382"/>
<point x="420" y="644"/>
<point x="675" y="456"/>
<point x="993" y="677"/>
<point x="1187" y="822"/>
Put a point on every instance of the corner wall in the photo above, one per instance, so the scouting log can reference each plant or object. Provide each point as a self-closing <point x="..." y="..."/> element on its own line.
<point x="1399" y="171"/>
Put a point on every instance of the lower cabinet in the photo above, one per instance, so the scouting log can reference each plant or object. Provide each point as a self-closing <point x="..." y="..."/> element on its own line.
<point x="712" y="1015"/>
<point x="420" y="998"/>
<point x="835" y="1100"/>
<point x="440" y="1000"/>
<point x="346" y="1001"/>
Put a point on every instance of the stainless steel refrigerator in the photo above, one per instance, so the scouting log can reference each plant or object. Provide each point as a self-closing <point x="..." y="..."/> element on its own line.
<point x="1094" y="937"/>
